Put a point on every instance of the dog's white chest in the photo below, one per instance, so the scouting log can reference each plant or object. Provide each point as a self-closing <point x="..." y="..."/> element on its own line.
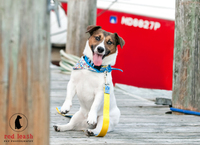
<point x="87" y="84"/>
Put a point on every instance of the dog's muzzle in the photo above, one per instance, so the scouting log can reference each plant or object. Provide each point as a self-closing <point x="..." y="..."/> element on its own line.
<point x="100" y="49"/>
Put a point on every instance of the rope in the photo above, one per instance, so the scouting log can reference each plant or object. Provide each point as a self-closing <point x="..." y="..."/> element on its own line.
<point x="185" y="111"/>
<point x="67" y="62"/>
<point x="102" y="12"/>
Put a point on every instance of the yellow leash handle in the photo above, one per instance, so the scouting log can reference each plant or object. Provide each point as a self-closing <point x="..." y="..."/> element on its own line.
<point x="106" y="108"/>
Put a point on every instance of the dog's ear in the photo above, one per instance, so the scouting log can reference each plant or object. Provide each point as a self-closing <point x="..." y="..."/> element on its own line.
<point x="119" y="40"/>
<point x="92" y="28"/>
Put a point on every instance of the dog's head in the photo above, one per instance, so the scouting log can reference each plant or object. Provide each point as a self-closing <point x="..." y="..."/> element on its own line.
<point x="19" y="117"/>
<point x="101" y="46"/>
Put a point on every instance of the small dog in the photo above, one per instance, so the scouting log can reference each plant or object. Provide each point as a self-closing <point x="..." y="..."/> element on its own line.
<point x="100" y="50"/>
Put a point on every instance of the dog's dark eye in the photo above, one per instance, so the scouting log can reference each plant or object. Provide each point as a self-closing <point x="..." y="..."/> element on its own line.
<point x="97" y="38"/>
<point x="109" y="43"/>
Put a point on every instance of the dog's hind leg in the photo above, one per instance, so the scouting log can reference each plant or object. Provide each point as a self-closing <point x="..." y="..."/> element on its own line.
<point x="68" y="101"/>
<point x="77" y="122"/>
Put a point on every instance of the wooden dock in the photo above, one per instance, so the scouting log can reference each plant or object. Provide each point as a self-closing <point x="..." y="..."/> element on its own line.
<point x="141" y="122"/>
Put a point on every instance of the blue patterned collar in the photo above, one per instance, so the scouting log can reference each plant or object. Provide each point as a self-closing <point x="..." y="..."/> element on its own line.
<point x="86" y="63"/>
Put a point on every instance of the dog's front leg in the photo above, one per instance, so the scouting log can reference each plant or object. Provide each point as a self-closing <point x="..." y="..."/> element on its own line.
<point x="96" y="106"/>
<point x="68" y="101"/>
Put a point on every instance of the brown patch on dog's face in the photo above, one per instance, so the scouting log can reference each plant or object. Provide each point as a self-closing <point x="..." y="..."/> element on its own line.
<point x="109" y="41"/>
<point x="95" y="39"/>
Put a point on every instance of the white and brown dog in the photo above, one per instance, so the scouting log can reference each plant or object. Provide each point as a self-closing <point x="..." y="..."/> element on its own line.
<point x="101" y="48"/>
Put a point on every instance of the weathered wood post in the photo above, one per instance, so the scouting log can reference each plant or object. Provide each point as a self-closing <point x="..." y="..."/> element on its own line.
<point x="24" y="71"/>
<point x="186" y="77"/>
<point x="81" y="13"/>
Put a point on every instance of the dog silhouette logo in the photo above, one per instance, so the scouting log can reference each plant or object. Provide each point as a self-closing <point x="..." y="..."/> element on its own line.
<point x="18" y="122"/>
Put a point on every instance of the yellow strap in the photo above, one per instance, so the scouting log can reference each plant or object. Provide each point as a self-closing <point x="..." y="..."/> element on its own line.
<point x="59" y="111"/>
<point x="106" y="116"/>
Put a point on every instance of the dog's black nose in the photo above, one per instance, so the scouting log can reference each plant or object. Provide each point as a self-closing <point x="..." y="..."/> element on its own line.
<point x="100" y="49"/>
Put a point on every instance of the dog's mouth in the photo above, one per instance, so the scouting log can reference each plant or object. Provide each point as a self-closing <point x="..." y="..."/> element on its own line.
<point x="97" y="59"/>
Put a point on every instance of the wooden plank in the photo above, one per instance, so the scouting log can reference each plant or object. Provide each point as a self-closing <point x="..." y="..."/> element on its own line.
<point x="134" y="141"/>
<point x="141" y="122"/>
<point x="57" y="76"/>
<point x="126" y="135"/>
<point x="24" y="64"/>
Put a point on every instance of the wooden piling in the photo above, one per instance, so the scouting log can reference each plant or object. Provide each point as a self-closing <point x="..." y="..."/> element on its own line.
<point x="81" y="14"/>
<point x="186" y="77"/>
<point x="24" y="68"/>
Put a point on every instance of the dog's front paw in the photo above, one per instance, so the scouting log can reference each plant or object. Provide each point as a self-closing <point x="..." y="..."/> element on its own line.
<point x="56" y="128"/>
<point x="66" y="107"/>
<point x="89" y="133"/>
<point x="92" y="120"/>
